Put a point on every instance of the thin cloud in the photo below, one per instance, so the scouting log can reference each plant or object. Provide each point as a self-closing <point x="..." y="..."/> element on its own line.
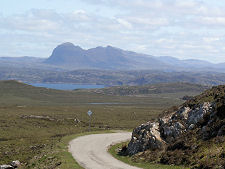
<point x="183" y="29"/>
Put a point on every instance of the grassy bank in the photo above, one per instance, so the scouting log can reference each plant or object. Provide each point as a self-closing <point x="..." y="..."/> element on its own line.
<point x="62" y="155"/>
<point x="113" y="150"/>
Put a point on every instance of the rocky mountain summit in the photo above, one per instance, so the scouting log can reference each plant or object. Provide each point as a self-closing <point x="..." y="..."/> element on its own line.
<point x="109" y="58"/>
<point x="191" y="135"/>
<point x="73" y="57"/>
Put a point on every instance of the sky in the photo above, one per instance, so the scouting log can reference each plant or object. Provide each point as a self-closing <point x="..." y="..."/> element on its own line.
<point x="190" y="29"/>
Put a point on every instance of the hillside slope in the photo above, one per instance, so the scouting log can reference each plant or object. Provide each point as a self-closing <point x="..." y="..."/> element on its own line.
<point x="191" y="135"/>
<point x="14" y="92"/>
<point x="152" y="89"/>
<point x="108" y="77"/>
<point x="17" y="93"/>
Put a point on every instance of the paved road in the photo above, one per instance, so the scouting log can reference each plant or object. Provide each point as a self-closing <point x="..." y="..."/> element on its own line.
<point x="90" y="151"/>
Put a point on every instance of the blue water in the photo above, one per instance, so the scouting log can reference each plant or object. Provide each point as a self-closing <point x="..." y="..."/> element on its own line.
<point x="66" y="86"/>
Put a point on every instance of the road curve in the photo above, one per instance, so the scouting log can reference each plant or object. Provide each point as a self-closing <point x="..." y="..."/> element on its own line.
<point x="90" y="151"/>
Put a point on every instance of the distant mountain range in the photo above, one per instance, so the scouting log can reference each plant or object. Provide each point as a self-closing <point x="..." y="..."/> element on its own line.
<point x="109" y="66"/>
<point x="111" y="58"/>
<point x="67" y="56"/>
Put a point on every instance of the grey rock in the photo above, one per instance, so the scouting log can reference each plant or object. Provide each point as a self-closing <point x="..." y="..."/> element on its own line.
<point x="192" y="126"/>
<point x="221" y="131"/>
<point x="6" y="167"/>
<point x="183" y="112"/>
<point x="16" y="164"/>
<point x="146" y="136"/>
<point x="154" y="135"/>
<point x="197" y="115"/>
<point x="170" y="131"/>
<point x="76" y="120"/>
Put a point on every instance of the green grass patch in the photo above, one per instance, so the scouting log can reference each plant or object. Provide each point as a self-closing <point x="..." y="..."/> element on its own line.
<point x="113" y="150"/>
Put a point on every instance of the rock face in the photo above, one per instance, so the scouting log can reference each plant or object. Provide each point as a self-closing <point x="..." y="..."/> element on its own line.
<point x="192" y="135"/>
<point x="145" y="136"/>
<point x="155" y="135"/>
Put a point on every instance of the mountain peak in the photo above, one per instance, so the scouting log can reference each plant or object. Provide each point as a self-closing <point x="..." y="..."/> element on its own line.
<point x="69" y="45"/>
<point x="113" y="48"/>
<point x="108" y="46"/>
<point x="74" y="57"/>
<point x="108" y="57"/>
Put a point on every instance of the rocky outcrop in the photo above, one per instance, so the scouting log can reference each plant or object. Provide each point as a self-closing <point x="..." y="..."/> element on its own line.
<point x="155" y="135"/>
<point x="192" y="135"/>
<point x="145" y="136"/>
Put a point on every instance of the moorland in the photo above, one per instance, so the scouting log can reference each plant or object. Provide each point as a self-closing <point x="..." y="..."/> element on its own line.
<point x="34" y="121"/>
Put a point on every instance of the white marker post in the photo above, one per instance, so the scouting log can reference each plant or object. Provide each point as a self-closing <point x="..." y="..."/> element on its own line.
<point x="89" y="114"/>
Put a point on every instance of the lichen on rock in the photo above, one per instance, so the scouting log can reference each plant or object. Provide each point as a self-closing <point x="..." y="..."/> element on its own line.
<point x="154" y="135"/>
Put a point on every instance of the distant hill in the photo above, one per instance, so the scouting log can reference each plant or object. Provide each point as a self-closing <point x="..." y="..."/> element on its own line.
<point x="69" y="56"/>
<point x="109" y="77"/>
<point x="138" y="77"/>
<point x="152" y="89"/>
<point x="14" y="92"/>
<point x="108" y="57"/>
<point x="109" y="66"/>
<point x="27" y="62"/>
<point x="188" y="63"/>
<point x="18" y="93"/>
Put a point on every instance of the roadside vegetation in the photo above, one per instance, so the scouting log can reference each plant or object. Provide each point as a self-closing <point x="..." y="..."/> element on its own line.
<point x="114" y="151"/>
<point x="199" y="147"/>
<point x="36" y="124"/>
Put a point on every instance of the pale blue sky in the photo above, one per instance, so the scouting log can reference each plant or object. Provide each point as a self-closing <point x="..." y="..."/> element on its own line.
<point x="11" y="7"/>
<point x="183" y="29"/>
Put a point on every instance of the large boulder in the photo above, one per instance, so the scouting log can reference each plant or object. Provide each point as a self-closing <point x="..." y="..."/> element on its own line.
<point x="154" y="135"/>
